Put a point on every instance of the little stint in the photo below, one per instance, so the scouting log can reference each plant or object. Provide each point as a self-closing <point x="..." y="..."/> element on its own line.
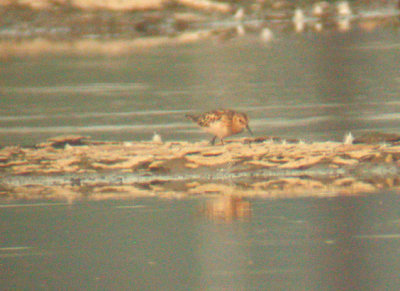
<point x="221" y="123"/>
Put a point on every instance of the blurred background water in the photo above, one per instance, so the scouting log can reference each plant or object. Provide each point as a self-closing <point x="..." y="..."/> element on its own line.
<point x="311" y="86"/>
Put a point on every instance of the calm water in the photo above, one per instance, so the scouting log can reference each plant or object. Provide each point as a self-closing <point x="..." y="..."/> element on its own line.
<point x="309" y="86"/>
<point x="156" y="244"/>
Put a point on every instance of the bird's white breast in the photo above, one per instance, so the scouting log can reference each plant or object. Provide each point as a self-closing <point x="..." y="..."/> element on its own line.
<point x="219" y="129"/>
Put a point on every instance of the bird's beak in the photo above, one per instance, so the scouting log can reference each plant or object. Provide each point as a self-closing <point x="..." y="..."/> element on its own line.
<point x="248" y="128"/>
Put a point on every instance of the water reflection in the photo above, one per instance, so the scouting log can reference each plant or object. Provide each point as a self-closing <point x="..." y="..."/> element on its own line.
<point x="223" y="258"/>
<point x="227" y="208"/>
<point x="151" y="243"/>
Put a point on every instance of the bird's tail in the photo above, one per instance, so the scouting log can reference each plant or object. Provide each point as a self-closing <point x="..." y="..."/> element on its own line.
<point x="192" y="117"/>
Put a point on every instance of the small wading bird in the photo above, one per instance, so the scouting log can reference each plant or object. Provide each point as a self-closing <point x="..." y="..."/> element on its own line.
<point x="221" y="123"/>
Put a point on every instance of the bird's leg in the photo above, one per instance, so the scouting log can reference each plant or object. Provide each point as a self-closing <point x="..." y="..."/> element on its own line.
<point x="222" y="141"/>
<point x="212" y="142"/>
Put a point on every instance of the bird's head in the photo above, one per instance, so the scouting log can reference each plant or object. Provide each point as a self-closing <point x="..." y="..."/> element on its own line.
<point x="240" y="121"/>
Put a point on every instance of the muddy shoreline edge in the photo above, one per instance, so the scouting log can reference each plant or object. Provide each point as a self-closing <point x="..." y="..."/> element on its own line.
<point x="74" y="167"/>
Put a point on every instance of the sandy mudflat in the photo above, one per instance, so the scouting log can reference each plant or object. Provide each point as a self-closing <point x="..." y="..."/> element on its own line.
<point x="75" y="167"/>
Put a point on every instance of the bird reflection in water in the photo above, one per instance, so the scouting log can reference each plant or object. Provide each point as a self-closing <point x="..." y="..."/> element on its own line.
<point x="227" y="208"/>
